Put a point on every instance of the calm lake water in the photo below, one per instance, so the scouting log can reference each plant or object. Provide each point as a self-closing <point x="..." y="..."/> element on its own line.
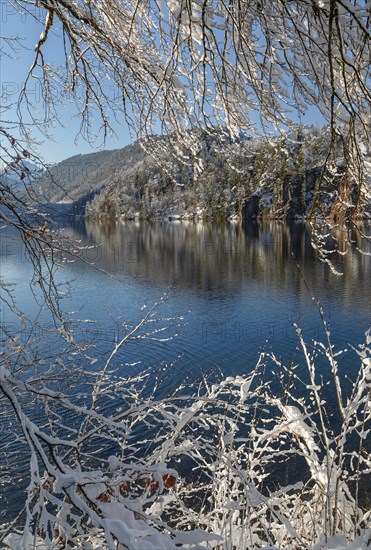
<point x="237" y="289"/>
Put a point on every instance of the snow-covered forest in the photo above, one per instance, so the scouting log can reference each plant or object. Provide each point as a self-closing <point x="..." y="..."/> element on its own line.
<point x="249" y="179"/>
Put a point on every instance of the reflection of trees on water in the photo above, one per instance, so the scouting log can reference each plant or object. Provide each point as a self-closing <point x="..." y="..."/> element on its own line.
<point x="227" y="256"/>
<point x="209" y="256"/>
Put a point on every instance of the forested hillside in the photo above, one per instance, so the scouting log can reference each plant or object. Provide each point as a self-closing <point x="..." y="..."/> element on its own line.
<point x="74" y="178"/>
<point x="274" y="177"/>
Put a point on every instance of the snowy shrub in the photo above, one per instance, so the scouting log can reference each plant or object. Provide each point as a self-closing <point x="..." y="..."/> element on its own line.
<point x="212" y="466"/>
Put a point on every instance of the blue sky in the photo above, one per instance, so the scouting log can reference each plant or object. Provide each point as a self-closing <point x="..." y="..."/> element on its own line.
<point x="14" y="71"/>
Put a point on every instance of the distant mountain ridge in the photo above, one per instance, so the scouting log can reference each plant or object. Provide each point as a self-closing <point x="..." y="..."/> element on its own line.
<point x="69" y="180"/>
<point x="18" y="174"/>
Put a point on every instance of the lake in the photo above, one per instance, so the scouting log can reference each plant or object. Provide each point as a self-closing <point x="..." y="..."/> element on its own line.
<point x="237" y="288"/>
<point x="231" y="291"/>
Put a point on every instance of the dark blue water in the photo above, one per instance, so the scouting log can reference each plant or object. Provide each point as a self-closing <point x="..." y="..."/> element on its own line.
<point x="231" y="292"/>
<point x="238" y="290"/>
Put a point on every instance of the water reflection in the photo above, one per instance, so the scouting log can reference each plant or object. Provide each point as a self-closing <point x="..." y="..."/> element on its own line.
<point x="210" y="257"/>
<point x="217" y="263"/>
